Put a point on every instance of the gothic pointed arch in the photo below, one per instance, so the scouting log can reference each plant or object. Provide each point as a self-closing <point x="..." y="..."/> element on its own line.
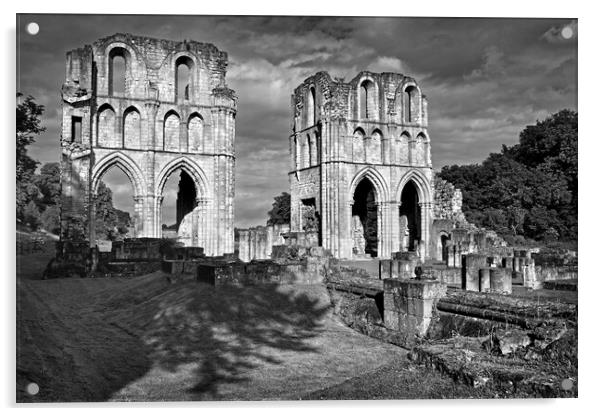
<point x="420" y="181"/>
<point x="123" y="162"/>
<point x="171" y="131"/>
<point x="107" y="133"/>
<point x="132" y="128"/>
<point x="377" y="180"/>
<point x="191" y="168"/>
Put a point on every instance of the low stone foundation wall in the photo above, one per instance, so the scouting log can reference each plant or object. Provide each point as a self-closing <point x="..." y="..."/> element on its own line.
<point x="127" y="268"/>
<point x="255" y="272"/>
<point x="289" y="264"/>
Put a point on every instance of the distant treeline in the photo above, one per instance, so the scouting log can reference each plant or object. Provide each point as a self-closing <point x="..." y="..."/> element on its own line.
<point x="529" y="189"/>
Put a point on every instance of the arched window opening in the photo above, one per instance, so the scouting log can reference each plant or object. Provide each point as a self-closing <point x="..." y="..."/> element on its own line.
<point x="364" y="220"/>
<point x="420" y="149"/>
<point x="107" y="132"/>
<point x="171" y="132"/>
<point x="311" y="107"/>
<point x="184" y="67"/>
<point x="358" y="145"/>
<point x="368" y="102"/>
<point x="364" y="99"/>
<point x="316" y="149"/>
<point x="195" y="133"/>
<point x="404" y="148"/>
<point x="296" y="153"/>
<point x="117" y="71"/>
<point x="444" y="241"/>
<point x="374" y="147"/>
<point x="132" y="129"/>
<point x="114" y="217"/>
<point x="179" y="201"/>
<point x="76" y="129"/>
<point x="411" y="105"/>
<point x="409" y="218"/>
<point x="306" y="152"/>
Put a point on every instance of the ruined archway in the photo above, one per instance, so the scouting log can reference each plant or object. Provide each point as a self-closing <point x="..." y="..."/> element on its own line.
<point x="132" y="174"/>
<point x="115" y="208"/>
<point x="364" y="215"/>
<point x="443" y="248"/>
<point x="182" y="195"/>
<point x="410" y="232"/>
<point x="179" y="199"/>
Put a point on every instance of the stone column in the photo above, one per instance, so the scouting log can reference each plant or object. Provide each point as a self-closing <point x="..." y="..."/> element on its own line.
<point x="426" y="209"/>
<point x="203" y="233"/>
<point x="395" y="233"/>
<point x="157" y="216"/>
<point x="139" y="216"/>
<point x="380" y="247"/>
<point x="348" y="232"/>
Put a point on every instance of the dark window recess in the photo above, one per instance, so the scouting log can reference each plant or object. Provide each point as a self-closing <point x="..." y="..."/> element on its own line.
<point x="76" y="129"/>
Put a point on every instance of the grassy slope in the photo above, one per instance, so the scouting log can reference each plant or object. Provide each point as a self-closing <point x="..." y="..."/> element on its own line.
<point x="147" y="339"/>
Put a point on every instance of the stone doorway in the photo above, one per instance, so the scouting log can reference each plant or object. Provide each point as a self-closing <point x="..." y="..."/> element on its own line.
<point x="409" y="218"/>
<point x="364" y="216"/>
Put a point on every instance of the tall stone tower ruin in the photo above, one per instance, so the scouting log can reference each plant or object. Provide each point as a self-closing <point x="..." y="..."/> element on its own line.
<point x="150" y="107"/>
<point x="360" y="164"/>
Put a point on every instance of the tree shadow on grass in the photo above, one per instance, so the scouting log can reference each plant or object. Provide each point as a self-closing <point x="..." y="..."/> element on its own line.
<point x="225" y="332"/>
<point x="129" y="339"/>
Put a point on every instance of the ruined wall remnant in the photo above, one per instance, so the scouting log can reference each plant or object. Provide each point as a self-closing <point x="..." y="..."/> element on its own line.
<point x="151" y="107"/>
<point x="256" y="243"/>
<point x="368" y="134"/>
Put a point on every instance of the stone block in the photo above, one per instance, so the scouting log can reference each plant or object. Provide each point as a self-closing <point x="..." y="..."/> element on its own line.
<point x="501" y="280"/>
<point x="471" y="263"/>
<point x="484" y="279"/>
<point x="385" y="269"/>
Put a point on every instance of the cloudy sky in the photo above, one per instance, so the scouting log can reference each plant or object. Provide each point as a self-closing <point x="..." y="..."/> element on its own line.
<point x="485" y="78"/>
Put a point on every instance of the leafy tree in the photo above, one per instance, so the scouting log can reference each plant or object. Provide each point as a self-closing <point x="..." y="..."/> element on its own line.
<point x="106" y="217"/>
<point x="529" y="188"/>
<point x="281" y="210"/>
<point x="50" y="219"/>
<point x="28" y="126"/>
<point x="31" y="215"/>
<point x="48" y="182"/>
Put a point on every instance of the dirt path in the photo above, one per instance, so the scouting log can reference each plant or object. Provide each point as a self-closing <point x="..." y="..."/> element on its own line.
<point x="147" y="339"/>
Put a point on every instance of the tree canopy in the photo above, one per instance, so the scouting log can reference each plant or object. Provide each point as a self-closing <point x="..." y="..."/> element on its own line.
<point x="28" y="126"/>
<point x="281" y="210"/>
<point x="528" y="189"/>
<point x="39" y="194"/>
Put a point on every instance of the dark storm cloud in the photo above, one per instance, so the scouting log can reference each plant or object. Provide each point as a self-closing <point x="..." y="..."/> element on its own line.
<point x="485" y="78"/>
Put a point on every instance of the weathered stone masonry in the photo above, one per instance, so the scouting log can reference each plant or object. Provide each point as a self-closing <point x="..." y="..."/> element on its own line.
<point x="361" y="157"/>
<point x="150" y="127"/>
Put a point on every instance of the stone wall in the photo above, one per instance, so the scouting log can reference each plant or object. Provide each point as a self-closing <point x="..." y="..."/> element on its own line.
<point x="447" y="202"/>
<point x="290" y="264"/>
<point x="256" y="243"/>
<point x="335" y="144"/>
<point x="149" y="131"/>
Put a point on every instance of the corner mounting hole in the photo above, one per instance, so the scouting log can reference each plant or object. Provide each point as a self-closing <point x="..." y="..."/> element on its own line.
<point x="33" y="28"/>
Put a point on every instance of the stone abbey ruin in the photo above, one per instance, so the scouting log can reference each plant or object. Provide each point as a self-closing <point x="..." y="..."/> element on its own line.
<point x="369" y="219"/>
<point x="151" y="122"/>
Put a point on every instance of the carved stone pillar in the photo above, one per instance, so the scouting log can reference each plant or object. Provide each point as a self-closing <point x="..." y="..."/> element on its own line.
<point x="426" y="215"/>
<point x="139" y="217"/>
<point x="157" y="216"/>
